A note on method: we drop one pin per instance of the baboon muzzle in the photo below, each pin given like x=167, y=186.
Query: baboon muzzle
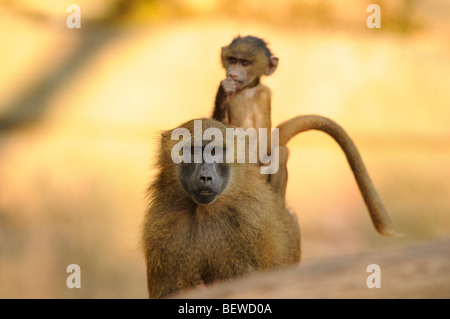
x=206, y=183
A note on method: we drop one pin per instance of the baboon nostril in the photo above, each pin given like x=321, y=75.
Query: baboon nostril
x=206, y=179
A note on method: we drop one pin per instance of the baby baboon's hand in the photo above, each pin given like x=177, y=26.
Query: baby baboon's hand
x=229, y=86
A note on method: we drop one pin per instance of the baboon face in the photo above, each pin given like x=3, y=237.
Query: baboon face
x=204, y=181
x=245, y=59
x=240, y=71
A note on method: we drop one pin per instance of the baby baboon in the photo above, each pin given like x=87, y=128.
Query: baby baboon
x=211, y=220
x=241, y=100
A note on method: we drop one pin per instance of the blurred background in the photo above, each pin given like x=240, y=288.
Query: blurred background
x=81, y=111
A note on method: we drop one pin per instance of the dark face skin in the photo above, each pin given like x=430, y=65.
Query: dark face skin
x=204, y=182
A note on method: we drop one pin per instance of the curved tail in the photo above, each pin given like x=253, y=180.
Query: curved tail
x=378, y=212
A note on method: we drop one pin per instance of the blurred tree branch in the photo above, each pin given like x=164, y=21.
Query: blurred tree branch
x=31, y=104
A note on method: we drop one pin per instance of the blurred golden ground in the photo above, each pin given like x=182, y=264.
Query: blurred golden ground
x=72, y=185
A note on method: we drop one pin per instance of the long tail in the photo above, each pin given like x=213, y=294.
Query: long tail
x=378, y=212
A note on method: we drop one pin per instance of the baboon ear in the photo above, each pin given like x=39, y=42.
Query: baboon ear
x=273, y=64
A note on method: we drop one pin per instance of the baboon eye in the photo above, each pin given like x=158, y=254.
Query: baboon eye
x=245, y=62
x=232, y=60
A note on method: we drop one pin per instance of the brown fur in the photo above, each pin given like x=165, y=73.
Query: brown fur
x=246, y=229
